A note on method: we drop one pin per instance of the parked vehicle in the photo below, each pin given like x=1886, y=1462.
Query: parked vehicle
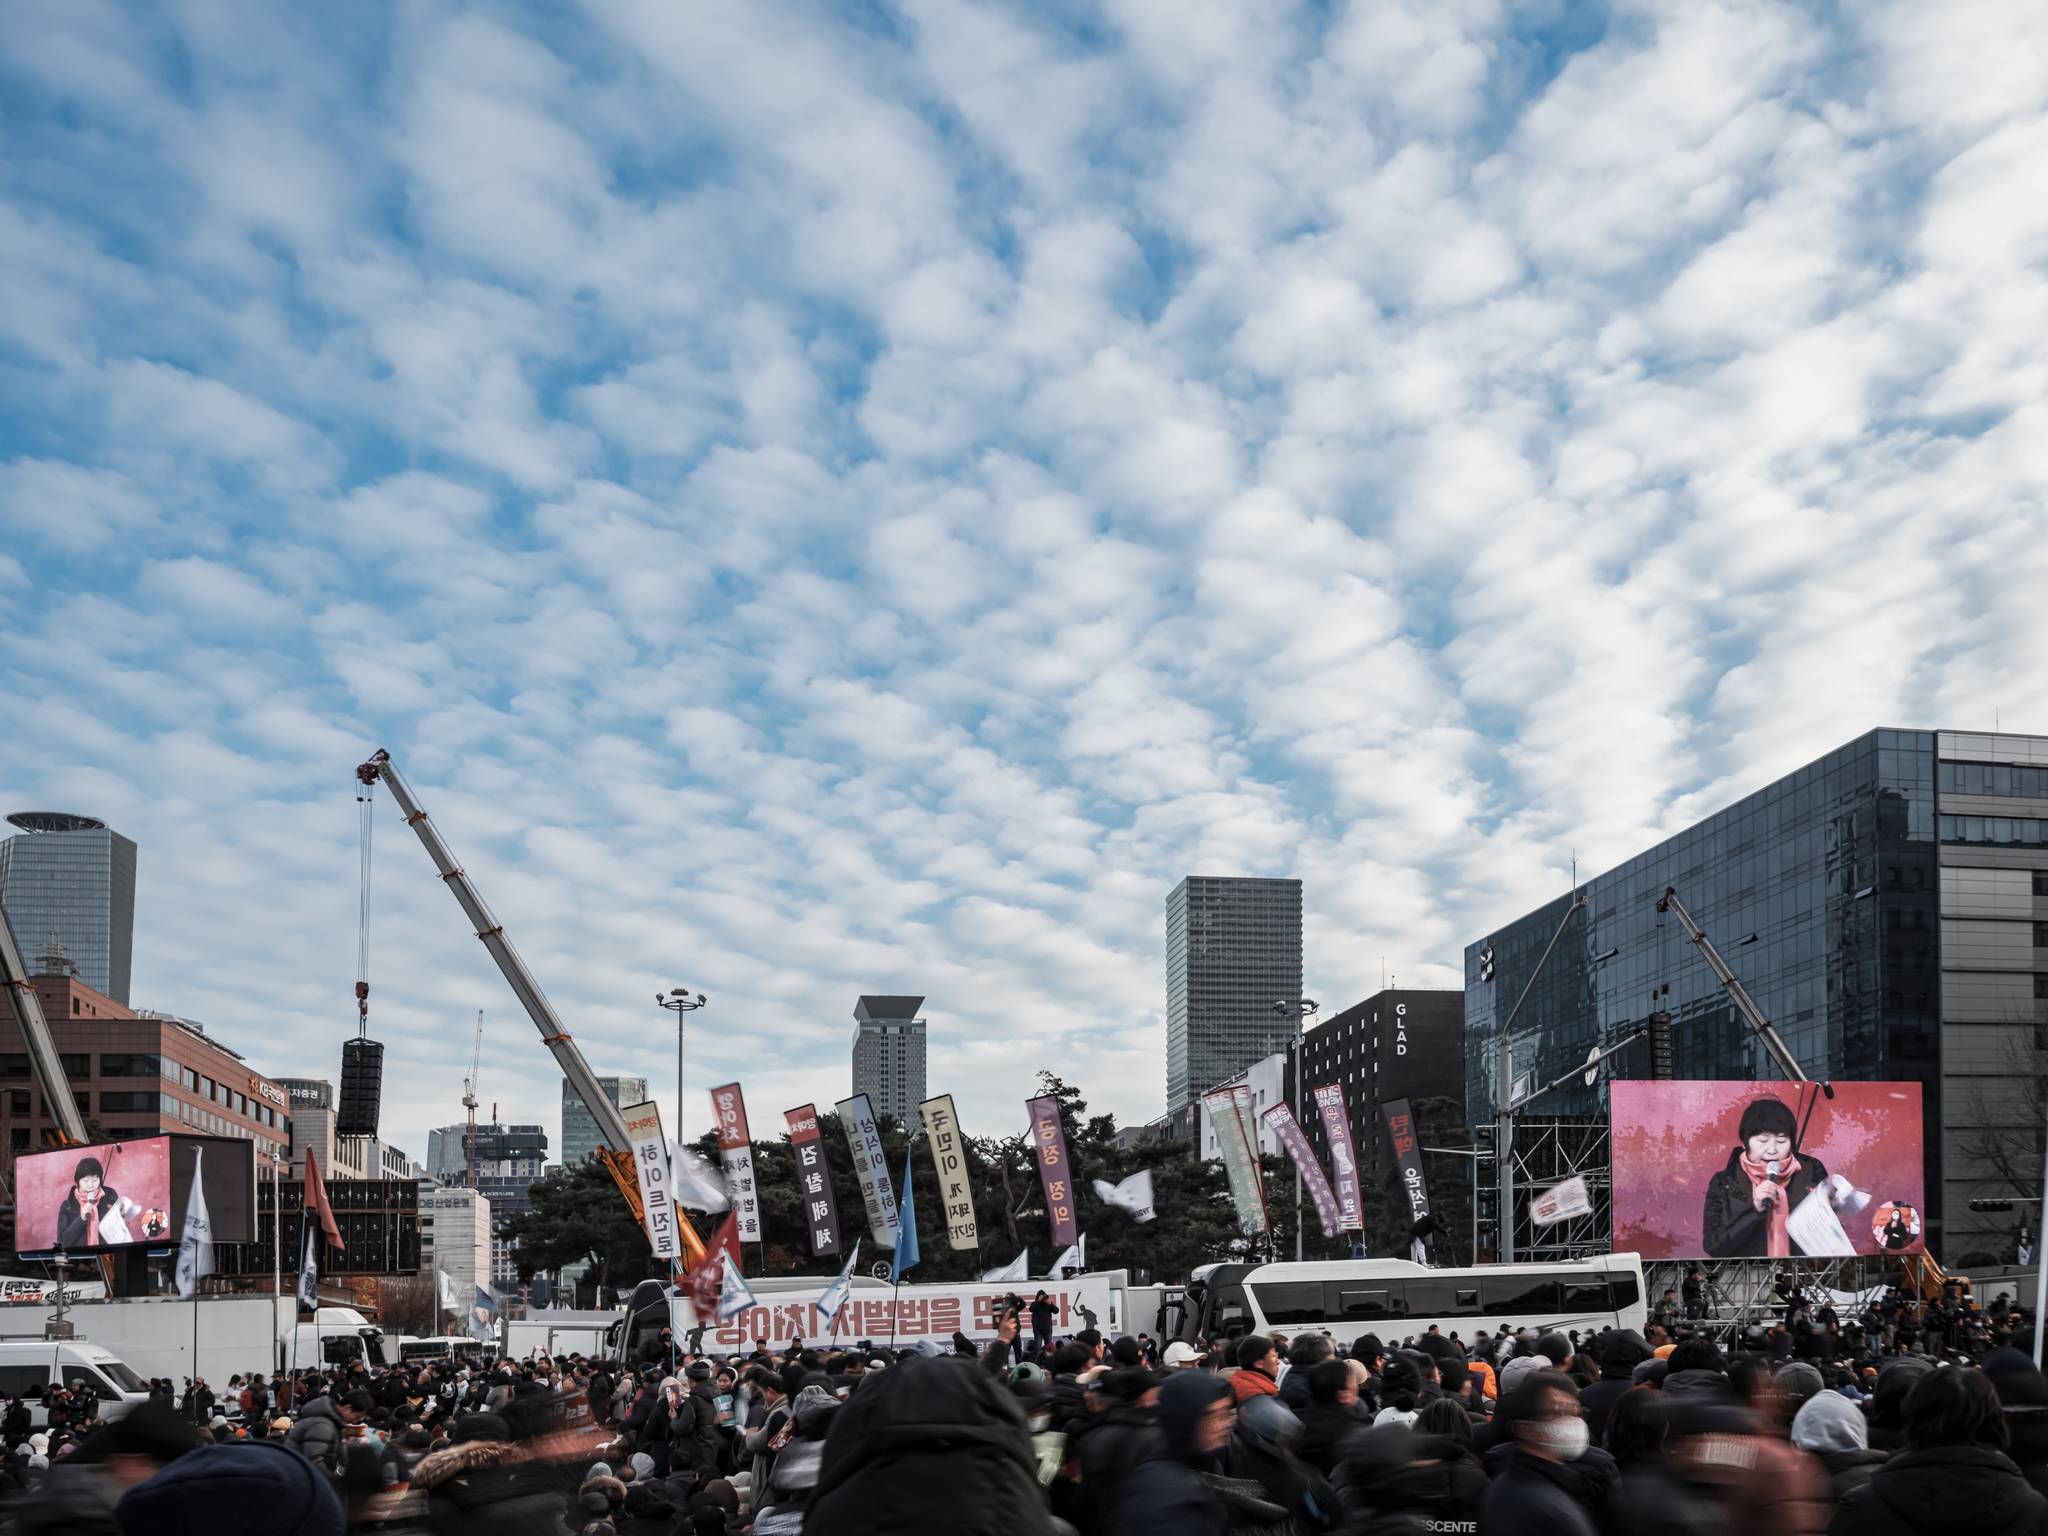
x=31, y=1367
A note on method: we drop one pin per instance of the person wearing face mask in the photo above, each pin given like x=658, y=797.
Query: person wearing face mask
x=1750, y=1201
x=1547, y=1480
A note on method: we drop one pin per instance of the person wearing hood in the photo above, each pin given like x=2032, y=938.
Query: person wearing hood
x=2023, y=1392
x=1547, y=1480
x=1750, y=1201
x=1334, y=1414
x=1832, y=1430
x=1895, y=1381
x=1181, y=1487
x=939, y=1447
x=1264, y=1448
x=1619, y=1353
x=1953, y=1478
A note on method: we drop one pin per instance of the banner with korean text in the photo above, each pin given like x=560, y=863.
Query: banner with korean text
x=814, y=1180
x=1238, y=1165
x=650, y=1163
x=1280, y=1119
x=1399, y=1121
x=736, y=1155
x=1055, y=1172
x=949, y=1157
x=857, y=1116
x=915, y=1314
x=1343, y=1156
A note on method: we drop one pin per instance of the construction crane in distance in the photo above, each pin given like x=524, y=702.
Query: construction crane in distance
x=617, y=1152
x=476, y=1063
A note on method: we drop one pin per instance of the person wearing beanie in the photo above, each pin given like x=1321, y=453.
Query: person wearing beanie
x=252, y=1488
x=1796, y=1385
x=1831, y=1429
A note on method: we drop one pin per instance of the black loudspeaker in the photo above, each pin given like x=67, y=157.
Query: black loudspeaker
x=362, y=1088
x=1661, y=1056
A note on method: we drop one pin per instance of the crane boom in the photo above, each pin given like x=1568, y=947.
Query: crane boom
x=1765, y=1029
x=617, y=1151
x=42, y=1049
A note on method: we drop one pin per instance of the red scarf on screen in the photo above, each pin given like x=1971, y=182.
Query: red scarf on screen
x=1779, y=1244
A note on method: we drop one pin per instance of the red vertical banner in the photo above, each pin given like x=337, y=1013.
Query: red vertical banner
x=736, y=1153
x=814, y=1180
x=1055, y=1171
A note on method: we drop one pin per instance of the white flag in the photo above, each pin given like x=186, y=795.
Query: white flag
x=1133, y=1194
x=697, y=1186
x=1071, y=1259
x=1561, y=1202
x=734, y=1297
x=1018, y=1268
x=835, y=1294
x=309, y=1278
x=195, y=1244
x=451, y=1301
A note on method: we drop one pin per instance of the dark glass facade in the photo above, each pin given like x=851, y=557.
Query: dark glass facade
x=1822, y=892
x=1233, y=949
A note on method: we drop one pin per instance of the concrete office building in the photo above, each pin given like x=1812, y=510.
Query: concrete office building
x=579, y=1127
x=455, y=1240
x=1886, y=906
x=888, y=1055
x=71, y=877
x=312, y=1122
x=1233, y=948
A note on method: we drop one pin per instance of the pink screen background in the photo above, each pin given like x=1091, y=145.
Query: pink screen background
x=1670, y=1138
x=136, y=1170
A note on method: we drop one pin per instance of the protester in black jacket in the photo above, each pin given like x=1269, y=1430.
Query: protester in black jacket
x=702, y=1443
x=2023, y=1391
x=1334, y=1414
x=1547, y=1481
x=931, y=1446
x=1953, y=1476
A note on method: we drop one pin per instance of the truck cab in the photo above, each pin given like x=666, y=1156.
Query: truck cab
x=339, y=1336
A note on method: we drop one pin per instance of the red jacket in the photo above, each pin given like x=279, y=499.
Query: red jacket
x=1249, y=1382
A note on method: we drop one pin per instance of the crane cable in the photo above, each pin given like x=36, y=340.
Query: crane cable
x=365, y=822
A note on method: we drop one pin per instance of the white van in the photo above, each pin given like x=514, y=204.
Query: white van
x=29, y=1366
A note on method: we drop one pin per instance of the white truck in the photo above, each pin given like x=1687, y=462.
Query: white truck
x=235, y=1335
x=553, y=1332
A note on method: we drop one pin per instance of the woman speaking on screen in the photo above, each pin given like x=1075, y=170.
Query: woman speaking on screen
x=1750, y=1202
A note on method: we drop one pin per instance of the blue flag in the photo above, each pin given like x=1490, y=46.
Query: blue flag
x=906, y=1222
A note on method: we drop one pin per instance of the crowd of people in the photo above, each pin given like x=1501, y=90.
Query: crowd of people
x=1884, y=1418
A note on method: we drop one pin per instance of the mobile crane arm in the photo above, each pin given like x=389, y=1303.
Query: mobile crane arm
x=617, y=1152
x=1765, y=1029
x=42, y=1049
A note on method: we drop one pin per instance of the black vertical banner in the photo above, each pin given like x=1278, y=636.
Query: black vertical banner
x=1398, y=1121
x=814, y=1180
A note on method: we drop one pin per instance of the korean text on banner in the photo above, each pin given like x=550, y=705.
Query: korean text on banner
x=1281, y=1118
x=1399, y=1120
x=949, y=1157
x=650, y=1162
x=1343, y=1156
x=1055, y=1172
x=1561, y=1202
x=1237, y=1161
x=814, y=1180
x=857, y=1116
x=736, y=1155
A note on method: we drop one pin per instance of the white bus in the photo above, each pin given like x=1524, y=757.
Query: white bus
x=443, y=1347
x=1394, y=1299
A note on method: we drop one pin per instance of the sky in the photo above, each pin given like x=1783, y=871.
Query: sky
x=825, y=500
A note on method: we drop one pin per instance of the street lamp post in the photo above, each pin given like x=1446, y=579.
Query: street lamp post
x=1301, y=1010
x=681, y=1003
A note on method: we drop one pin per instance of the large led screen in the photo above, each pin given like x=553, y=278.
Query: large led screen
x=114, y=1195
x=1725, y=1170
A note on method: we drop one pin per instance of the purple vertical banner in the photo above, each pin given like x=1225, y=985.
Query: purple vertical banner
x=1343, y=1157
x=1283, y=1124
x=821, y=1211
x=1049, y=1151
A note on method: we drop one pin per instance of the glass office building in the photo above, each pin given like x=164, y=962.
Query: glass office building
x=1233, y=949
x=1887, y=908
x=73, y=877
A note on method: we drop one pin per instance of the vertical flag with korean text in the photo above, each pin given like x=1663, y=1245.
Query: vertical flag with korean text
x=949, y=1157
x=1279, y=1118
x=736, y=1153
x=814, y=1180
x=864, y=1140
x=650, y=1165
x=1055, y=1171
x=1399, y=1122
x=1238, y=1164
x=1343, y=1155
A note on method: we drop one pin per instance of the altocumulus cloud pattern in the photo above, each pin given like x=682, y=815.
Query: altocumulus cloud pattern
x=862, y=499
